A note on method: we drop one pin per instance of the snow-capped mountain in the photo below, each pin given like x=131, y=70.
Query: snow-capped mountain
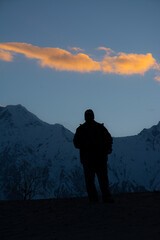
x=39, y=160
x=26, y=139
x=135, y=161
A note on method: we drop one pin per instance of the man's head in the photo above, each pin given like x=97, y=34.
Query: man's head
x=89, y=115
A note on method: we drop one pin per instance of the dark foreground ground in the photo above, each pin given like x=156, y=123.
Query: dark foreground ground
x=132, y=216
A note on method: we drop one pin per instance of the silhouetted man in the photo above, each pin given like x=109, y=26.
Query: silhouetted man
x=95, y=143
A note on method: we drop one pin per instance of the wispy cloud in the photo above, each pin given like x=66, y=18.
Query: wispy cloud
x=76, y=49
x=157, y=67
x=59, y=59
x=157, y=78
x=107, y=50
x=5, y=56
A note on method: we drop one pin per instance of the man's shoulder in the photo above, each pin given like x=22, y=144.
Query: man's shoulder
x=100, y=125
x=94, y=124
x=81, y=126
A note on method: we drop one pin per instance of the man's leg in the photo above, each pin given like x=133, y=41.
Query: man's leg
x=102, y=174
x=89, y=173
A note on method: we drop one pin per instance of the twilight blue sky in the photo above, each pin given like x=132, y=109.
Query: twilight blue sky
x=58, y=83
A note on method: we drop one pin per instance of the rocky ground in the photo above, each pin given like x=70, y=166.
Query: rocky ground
x=132, y=216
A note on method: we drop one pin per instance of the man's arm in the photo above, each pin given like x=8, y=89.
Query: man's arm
x=108, y=140
x=76, y=139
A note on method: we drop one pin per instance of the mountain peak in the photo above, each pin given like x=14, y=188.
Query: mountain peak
x=154, y=130
x=17, y=107
x=17, y=115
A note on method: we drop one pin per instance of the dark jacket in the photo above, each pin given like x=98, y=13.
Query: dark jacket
x=94, y=141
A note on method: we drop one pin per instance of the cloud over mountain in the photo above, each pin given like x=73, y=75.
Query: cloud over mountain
x=56, y=58
x=62, y=60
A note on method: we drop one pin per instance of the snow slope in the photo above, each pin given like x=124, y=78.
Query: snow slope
x=135, y=161
x=134, y=164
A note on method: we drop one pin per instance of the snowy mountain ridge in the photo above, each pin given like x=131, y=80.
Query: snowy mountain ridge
x=38, y=159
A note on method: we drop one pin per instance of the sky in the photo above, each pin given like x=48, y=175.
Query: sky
x=59, y=58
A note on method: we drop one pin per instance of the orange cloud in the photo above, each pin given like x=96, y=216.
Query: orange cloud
x=59, y=59
x=5, y=56
x=157, y=66
x=54, y=57
x=128, y=64
x=157, y=78
x=107, y=50
x=77, y=49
